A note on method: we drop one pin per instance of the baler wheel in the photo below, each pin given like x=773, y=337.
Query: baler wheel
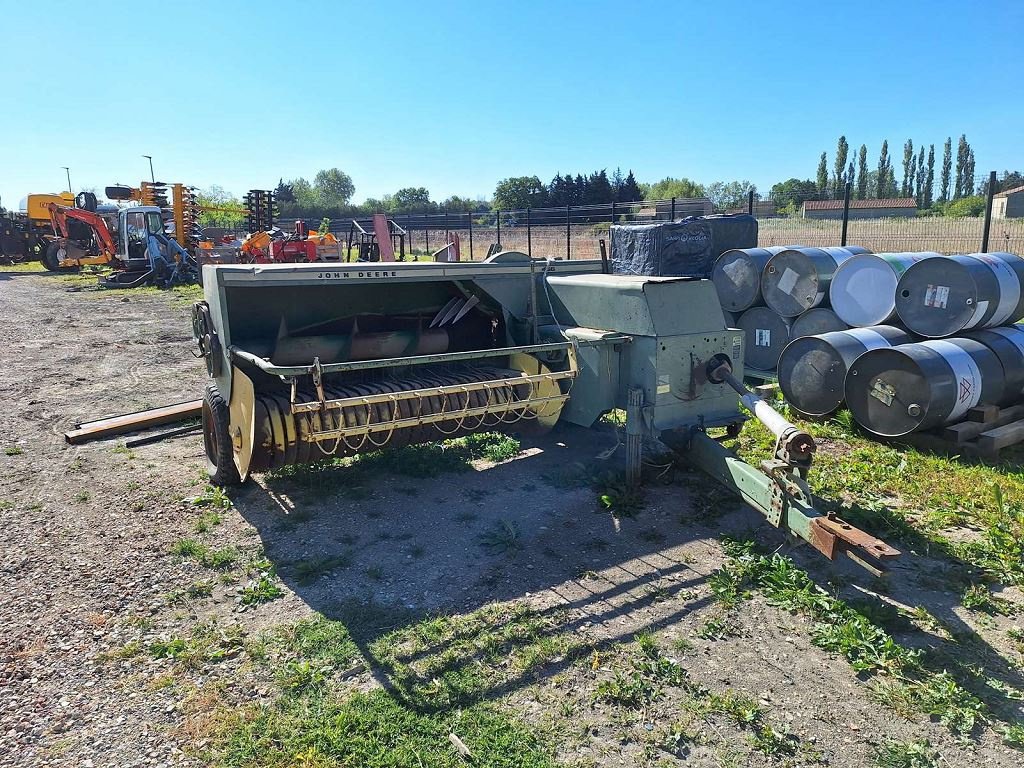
x=220, y=462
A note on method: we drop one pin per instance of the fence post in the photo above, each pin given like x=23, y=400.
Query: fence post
x=447, y=228
x=988, y=211
x=470, y=215
x=529, y=235
x=614, y=214
x=568, y=232
x=673, y=209
x=497, y=220
x=846, y=212
x=750, y=202
x=426, y=234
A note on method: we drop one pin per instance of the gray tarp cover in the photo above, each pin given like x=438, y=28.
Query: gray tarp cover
x=686, y=248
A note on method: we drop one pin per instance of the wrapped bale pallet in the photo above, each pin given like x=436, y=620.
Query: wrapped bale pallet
x=686, y=248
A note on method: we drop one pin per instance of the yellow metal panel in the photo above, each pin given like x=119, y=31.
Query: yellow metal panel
x=37, y=209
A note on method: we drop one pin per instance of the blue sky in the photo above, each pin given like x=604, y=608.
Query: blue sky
x=454, y=96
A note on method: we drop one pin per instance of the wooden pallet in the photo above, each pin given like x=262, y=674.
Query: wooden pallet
x=987, y=430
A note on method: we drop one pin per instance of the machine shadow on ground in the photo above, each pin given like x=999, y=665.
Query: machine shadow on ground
x=385, y=553
x=397, y=551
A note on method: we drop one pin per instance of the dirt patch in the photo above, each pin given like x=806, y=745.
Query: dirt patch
x=108, y=654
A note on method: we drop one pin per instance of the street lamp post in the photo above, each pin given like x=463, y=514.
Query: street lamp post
x=151, y=176
x=68, y=170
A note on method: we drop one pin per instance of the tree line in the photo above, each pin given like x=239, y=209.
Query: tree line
x=917, y=180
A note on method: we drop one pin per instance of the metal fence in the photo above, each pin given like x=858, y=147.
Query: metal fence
x=835, y=216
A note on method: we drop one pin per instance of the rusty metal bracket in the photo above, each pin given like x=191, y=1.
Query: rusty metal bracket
x=831, y=535
x=785, y=486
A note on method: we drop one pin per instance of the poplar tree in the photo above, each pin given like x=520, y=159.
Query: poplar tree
x=947, y=164
x=929, y=184
x=862, y=173
x=839, y=169
x=823, y=173
x=908, y=169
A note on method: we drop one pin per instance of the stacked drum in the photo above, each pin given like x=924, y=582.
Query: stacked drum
x=780, y=294
x=932, y=336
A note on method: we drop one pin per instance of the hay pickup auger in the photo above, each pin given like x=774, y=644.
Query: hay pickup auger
x=307, y=363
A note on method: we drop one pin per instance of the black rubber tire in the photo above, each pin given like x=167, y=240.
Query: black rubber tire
x=220, y=464
x=50, y=259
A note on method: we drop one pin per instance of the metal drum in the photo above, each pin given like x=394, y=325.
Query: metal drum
x=863, y=289
x=896, y=391
x=737, y=276
x=797, y=279
x=815, y=321
x=767, y=335
x=812, y=369
x=1008, y=344
x=941, y=297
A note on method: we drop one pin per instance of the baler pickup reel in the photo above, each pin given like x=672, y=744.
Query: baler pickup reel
x=438, y=396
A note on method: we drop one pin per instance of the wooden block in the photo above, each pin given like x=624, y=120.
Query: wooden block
x=993, y=440
x=767, y=390
x=983, y=413
x=968, y=430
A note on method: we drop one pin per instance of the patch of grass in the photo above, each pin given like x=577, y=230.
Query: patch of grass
x=373, y=728
x=82, y=496
x=207, y=643
x=13, y=450
x=904, y=684
x=718, y=628
x=212, y=496
x=618, y=497
x=262, y=589
x=123, y=450
x=1013, y=736
x=905, y=754
x=295, y=675
x=207, y=520
x=215, y=559
x=503, y=537
x=194, y=591
x=978, y=598
x=308, y=571
x=375, y=572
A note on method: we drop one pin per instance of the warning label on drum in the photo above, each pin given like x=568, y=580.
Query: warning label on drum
x=936, y=296
x=762, y=337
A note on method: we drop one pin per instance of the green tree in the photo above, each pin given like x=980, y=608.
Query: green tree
x=947, y=166
x=886, y=182
x=823, y=173
x=973, y=205
x=792, y=193
x=225, y=210
x=519, y=192
x=303, y=192
x=599, y=189
x=412, y=200
x=962, y=149
x=969, y=173
x=630, y=191
x=907, y=188
x=333, y=187
x=670, y=187
x=862, y=173
x=283, y=192
x=929, y=182
x=729, y=194
x=617, y=181
x=849, y=177
x=839, y=168
x=919, y=178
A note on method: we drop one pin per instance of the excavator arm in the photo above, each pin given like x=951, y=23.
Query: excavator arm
x=59, y=215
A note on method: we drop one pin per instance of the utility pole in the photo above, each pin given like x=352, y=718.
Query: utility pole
x=151, y=176
x=68, y=170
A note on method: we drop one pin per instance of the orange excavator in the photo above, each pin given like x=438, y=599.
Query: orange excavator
x=82, y=236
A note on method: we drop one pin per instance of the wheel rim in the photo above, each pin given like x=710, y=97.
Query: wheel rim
x=210, y=436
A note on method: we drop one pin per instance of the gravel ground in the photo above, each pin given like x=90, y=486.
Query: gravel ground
x=86, y=563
